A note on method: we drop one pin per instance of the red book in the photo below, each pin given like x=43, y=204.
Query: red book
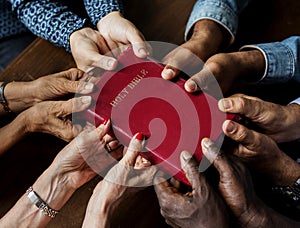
x=137, y=99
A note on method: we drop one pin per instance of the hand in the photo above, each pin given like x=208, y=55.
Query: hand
x=22, y=95
x=281, y=123
x=227, y=69
x=89, y=47
x=121, y=182
x=52, y=117
x=86, y=156
x=262, y=154
x=236, y=187
x=69, y=170
x=200, y=208
x=207, y=39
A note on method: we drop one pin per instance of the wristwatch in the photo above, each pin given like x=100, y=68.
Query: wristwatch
x=3, y=101
x=41, y=204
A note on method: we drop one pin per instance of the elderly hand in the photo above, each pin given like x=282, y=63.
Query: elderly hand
x=130, y=175
x=22, y=95
x=52, y=117
x=262, y=154
x=89, y=46
x=206, y=40
x=236, y=187
x=200, y=208
x=86, y=156
x=74, y=165
x=227, y=69
x=281, y=123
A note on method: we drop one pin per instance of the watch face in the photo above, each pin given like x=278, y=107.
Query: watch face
x=33, y=197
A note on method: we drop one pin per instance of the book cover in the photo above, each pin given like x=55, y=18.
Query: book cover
x=137, y=99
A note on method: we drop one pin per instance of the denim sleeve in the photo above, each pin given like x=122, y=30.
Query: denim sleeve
x=296, y=101
x=224, y=12
x=48, y=19
x=98, y=9
x=282, y=60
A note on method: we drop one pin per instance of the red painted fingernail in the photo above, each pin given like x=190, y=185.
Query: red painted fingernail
x=104, y=122
x=139, y=136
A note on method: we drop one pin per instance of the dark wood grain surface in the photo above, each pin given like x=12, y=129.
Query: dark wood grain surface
x=161, y=20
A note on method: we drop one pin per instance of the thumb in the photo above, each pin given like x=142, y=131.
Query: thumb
x=135, y=146
x=137, y=40
x=190, y=167
x=73, y=105
x=218, y=160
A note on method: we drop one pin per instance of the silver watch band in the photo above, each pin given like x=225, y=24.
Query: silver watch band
x=42, y=205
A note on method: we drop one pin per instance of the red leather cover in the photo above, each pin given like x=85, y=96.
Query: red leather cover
x=137, y=99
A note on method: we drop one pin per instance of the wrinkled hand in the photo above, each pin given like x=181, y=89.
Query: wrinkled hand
x=130, y=175
x=89, y=46
x=85, y=156
x=262, y=154
x=227, y=69
x=200, y=208
x=206, y=40
x=281, y=123
x=235, y=185
x=60, y=84
x=52, y=117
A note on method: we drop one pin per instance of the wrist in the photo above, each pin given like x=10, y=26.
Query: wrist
x=20, y=95
x=211, y=36
x=53, y=189
x=252, y=64
x=255, y=216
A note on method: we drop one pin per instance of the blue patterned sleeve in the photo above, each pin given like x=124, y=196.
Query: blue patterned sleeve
x=48, y=19
x=98, y=9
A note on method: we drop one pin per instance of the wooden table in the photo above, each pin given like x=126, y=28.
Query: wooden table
x=162, y=20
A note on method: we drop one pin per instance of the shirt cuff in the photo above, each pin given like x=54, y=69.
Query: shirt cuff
x=279, y=59
x=297, y=101
x=216, y=11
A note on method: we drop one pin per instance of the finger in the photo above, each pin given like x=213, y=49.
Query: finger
x=200, y=81
x=138, y=43
x=78, y=87
x=105, y=62
x=64, y=108
x=190, y=168
x=239, y=133
x=174, y=62
x=135, y=146
x=241, y=104
x=218, y=160
x=72, y=74
x=141, y=163
x=91, y=135
x=63, y=129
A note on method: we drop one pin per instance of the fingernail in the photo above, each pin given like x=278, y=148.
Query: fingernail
x=191, y=85
x=111, y=62
x=86, y=99
x=186, y=155
x=145, y=161
x=168, y=73
x=142, y=51
x=206, y=143
x=104, y=122
x=230, y=127
x=139, y=136
x=227, y=104
x=89, y=86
